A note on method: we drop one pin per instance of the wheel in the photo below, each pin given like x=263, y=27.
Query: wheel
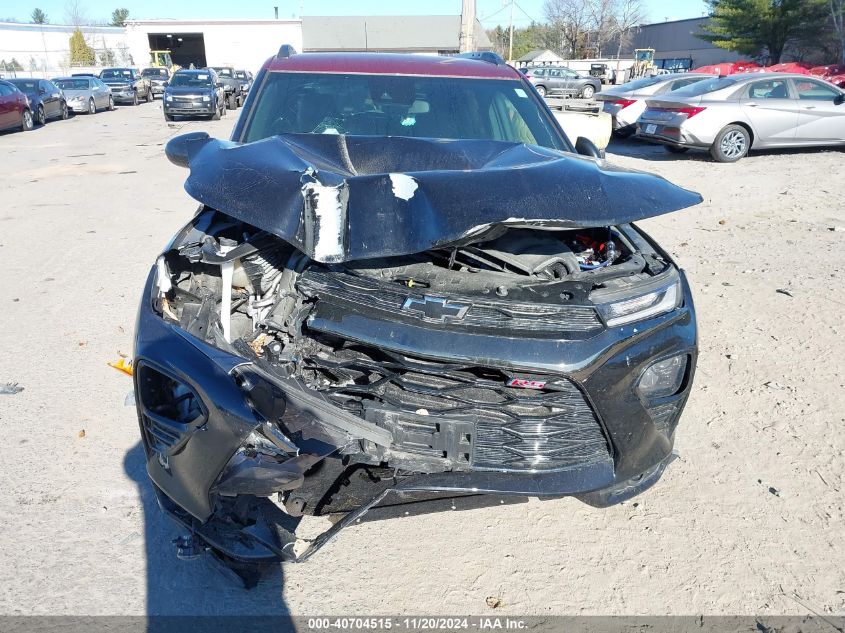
x=587, y=92
x=92, y=107
x=541, y=90
x=134, y=97
x=674, y=149
x=26, y=120
x=111, y=103
x=731, y=144
x=64, y=110
x=168, y=117
x=40, y=116
x=150, y=96
x=232, y=102
x=216, y=115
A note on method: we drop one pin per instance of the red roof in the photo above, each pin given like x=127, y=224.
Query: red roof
x=390, y=64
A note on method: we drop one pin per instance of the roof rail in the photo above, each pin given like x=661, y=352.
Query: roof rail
x=286, y=50
x=485, y=56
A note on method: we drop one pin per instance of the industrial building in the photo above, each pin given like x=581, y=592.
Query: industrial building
x=240, y=43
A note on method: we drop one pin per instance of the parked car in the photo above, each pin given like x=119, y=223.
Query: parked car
x=625, y=103
x=362, y=311
x=603, y=72
x=557, y=81
x=194, y=93
x=85, y=94
x=46, y=100
x=14, y=108
x=127, y=85
x=244, y=79
x=158, y=78
x=234, y=96
x=734, y=114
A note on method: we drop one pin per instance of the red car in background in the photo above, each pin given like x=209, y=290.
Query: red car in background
x=14, y=108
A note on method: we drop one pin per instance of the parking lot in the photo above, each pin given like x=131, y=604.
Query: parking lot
x=748, y=520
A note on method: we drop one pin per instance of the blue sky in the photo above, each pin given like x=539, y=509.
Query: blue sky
x=490, y=11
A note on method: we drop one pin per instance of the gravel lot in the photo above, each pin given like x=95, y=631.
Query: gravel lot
x=748, y=520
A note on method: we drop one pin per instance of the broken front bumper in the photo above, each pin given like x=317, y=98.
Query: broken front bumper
x=197, y=405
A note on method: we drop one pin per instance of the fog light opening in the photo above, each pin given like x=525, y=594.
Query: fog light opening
x=663, y=378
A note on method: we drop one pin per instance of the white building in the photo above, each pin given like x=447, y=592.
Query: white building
x=244, y=44
x=45, y=48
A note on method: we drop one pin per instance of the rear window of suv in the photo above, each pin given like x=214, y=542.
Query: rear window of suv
x=704, y=86
x=391, y=105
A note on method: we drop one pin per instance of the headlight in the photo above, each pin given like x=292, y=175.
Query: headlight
x=168, y=97
x=663, y=378
x=642, y=307
x=206, y=98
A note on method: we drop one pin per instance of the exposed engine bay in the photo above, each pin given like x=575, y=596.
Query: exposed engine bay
x=327, y=338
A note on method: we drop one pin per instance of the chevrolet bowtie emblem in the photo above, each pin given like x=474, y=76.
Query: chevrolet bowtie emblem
x=436, y=308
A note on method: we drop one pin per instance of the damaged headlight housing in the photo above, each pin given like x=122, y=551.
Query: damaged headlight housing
x=642, y=307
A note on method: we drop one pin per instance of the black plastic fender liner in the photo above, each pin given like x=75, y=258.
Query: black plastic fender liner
x=340, y=198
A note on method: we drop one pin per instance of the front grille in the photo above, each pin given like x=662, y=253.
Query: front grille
x=463, y=413
x=362, y=292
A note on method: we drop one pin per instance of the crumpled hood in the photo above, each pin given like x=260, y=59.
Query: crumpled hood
x=339, y=198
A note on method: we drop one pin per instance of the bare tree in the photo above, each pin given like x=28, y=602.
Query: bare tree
x=572, y=19
x=602, y=23
x=75, y=14
x=629, y=15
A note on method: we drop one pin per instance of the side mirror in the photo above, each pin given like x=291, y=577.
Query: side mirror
x=165, y=84
x=586, y=147
x=176, y=149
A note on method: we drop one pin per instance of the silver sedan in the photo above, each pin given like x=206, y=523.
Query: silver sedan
x=85, y=94
x=731, y=115
x=626, y=102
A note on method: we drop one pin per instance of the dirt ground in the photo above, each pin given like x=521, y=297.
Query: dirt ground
x=748, y=520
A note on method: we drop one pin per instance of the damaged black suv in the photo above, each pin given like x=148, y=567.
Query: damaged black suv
x=402, y=284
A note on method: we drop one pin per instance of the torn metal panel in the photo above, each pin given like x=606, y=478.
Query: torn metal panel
x=339, y=198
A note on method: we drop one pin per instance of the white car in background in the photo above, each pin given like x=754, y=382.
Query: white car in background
x=626, y=102
x=731, y=115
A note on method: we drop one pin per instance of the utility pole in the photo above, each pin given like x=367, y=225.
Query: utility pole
x=467, y=38
x=510, y=45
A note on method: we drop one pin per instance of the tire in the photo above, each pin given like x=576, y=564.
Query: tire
x=674, y=149
x=216, y=115
x=731, y=144
x=541, y=90
x=232, y=102
x=64, y=111
x=587, y=92
x=150, y=96
x=92, y=107
x=135, y=98
x=40, y=116
x=111, y=103
x=26, y=120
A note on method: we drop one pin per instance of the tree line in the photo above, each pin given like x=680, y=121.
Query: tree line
x=766, y=30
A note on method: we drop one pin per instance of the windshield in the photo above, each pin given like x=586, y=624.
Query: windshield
x=154, y=72
x=388, y=105
x=224, y=72
x=24, y=85
x=704, y=86
x=72, y=84
x=197, y=80
x=116, y=73
x=240, y=74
